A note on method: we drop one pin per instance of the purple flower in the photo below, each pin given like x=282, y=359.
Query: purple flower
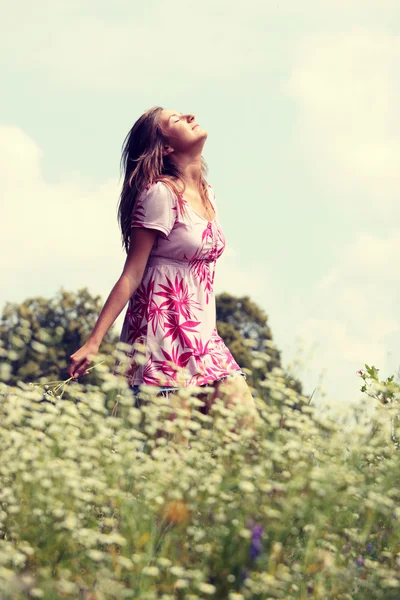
x=256, y=542
x=369, y=547
x=360, y=561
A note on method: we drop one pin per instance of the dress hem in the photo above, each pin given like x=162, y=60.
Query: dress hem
x=239, y=370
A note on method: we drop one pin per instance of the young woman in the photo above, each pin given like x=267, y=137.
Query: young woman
x=168, y=217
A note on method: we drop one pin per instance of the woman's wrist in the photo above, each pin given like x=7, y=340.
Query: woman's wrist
x=93, y=342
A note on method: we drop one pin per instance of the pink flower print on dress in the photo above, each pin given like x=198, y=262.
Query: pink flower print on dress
x=199, y=347
x=179, y=330
x=201, y=269
x=207, y=234
x=200, y=350
x=137, y=328
x=172, y=363
x=151, y=372
x=157, y=315
x=200, y=264
x=180, y=359
x=178, y=298
x=139, y=216
x=143, y=296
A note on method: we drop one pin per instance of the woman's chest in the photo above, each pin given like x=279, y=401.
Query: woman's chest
x=194, y=204
x=193, y=238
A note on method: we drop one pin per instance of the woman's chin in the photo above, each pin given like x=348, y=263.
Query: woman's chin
x=204, y=135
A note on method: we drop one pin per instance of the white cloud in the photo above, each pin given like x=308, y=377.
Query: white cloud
x=19, y=158
x=356, y=320
x=53, y=234
x=135, y=48
x=348, y=92
x=251, y=281
x=373, y=255
x=368, y=261
x=124, y=44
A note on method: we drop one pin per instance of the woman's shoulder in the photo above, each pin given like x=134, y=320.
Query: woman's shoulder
x=160, y=187
x=158, y=184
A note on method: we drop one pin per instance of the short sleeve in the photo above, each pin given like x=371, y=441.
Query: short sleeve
x=155, y=208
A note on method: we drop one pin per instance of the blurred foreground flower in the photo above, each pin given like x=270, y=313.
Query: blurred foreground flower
x=256, y=541
x=177, y=512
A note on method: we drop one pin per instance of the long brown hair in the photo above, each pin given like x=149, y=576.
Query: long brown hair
x=142, y=164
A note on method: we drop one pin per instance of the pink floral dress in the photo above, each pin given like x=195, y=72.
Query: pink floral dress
x=172, y=313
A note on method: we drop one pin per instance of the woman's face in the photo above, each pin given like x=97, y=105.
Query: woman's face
x=181, y=131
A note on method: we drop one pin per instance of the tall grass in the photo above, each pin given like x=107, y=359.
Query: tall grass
x=95, y=504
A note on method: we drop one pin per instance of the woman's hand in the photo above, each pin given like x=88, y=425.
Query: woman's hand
x=81, y=359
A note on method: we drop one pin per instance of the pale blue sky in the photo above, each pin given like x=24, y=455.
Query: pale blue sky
x=300, y=101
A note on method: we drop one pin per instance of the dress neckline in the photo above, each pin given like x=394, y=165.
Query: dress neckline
x=196, y=213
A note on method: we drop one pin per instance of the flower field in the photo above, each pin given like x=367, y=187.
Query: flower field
x=100, y=499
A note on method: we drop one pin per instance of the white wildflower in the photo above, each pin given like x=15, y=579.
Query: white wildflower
x=245, y=533
x=246, y=486
x=95, y=555
x=164, y=562
x=177, y=571
x=207, y=588
x=125, y=562
x=181, y=583
x=38, y=347
x=5, y=371
x=151, y=571
x=258, y=363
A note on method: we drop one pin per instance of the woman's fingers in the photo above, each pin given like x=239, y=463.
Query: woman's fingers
x=78, y=367
x=75, y=362
x=79, y=374
x=80, y=360
x=74, y=367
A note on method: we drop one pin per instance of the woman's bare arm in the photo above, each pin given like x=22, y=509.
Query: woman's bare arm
x=127, y=284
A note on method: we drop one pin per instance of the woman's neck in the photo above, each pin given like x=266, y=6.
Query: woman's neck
x=191, y=169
